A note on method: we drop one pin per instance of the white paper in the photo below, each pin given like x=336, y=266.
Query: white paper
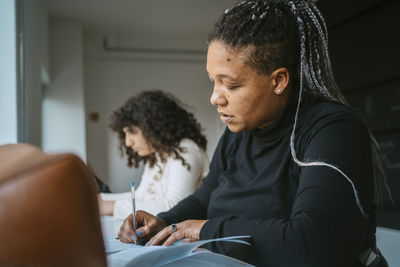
x=176, y=255
x=113, y=245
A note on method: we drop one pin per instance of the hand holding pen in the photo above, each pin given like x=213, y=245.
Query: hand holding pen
x=149, y=226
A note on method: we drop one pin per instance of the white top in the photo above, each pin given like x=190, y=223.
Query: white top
x=165, y=184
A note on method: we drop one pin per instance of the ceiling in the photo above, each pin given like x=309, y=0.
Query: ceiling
x=174, y=17
x=144, y=17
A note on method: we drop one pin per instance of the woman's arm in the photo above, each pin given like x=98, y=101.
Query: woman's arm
x=106, y=207
x=325, y=227
x=179, y=182
x=117, y=204
x=195, y=206
x=192, y=207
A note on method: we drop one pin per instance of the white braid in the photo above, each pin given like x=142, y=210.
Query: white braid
x=317, y=81
x=237, y=5
x=321, y=18
x=292, y=137
x=320, y=32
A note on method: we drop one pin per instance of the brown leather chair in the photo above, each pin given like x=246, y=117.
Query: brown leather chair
x=48, y=210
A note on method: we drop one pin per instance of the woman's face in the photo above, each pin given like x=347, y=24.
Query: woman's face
x=244, y=98
x=135, y=140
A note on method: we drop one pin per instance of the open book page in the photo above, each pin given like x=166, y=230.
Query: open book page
x=113, y=245
x=123, y=257
x=110, y=226
x=207, y=259
x=176, y=255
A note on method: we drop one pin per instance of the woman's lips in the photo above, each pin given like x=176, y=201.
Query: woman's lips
x=226, y=118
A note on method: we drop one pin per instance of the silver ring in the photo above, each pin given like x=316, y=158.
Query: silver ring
x=173, y=228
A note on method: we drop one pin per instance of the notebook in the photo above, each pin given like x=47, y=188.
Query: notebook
x=180, y=254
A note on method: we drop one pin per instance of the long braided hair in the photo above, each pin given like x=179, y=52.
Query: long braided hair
x=291, y=34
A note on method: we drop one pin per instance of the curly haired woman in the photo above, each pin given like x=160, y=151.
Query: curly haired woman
x=155, y=129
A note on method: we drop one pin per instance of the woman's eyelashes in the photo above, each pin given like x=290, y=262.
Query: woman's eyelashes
x=231, y=84
x=231, y=87
x=227, y=85
x=132, y=131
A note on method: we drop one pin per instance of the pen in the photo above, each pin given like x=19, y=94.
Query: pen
x=133, y=205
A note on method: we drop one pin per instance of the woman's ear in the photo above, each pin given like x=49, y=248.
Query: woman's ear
x=280, y=80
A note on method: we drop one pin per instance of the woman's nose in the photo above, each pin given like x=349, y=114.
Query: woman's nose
x=128, y=141
x=218, y=99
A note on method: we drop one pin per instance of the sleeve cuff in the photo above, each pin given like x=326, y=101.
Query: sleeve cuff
x=211, y=228
x=167, y=217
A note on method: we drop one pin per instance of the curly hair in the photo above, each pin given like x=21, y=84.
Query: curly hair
x=164, y=122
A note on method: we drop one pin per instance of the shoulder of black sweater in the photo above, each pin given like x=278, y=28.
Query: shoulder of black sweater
x=318, y=113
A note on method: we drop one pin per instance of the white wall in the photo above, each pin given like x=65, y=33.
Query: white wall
x=8, y=75
x=63, y=102
x=35, y=29
x=111, y=78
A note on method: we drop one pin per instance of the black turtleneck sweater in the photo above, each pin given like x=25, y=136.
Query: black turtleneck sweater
x=296, y=216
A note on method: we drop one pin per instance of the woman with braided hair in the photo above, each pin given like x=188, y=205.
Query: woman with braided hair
x=296, y=168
